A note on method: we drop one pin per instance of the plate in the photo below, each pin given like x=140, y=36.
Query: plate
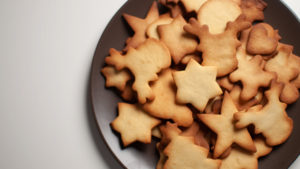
x=104, y=100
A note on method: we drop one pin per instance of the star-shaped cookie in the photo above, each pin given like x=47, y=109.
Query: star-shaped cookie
x=196, y=84
x=223, y=125
x=139, y=26
x=134, y=124
x=115, y=78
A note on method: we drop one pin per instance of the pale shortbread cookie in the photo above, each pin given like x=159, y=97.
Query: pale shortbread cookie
x=241, y=159
x=164, y=105
x=196, y=84
x=192, y=5
x=220, y=49
x=216, y=14
x=286, y=72
x=139, y=26
x=271, y=120
x=176, y=39
x=295, y=61
x=183, y=153
x=195, y=131
x=134, y=124
x=223, y=125
x=144, y=62
x=115, y=78
x=152, y=28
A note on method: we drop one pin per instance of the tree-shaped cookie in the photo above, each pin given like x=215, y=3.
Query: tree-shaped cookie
x=140, y=25
x=134, y=124
x=241, y=159
x=184, y=154
x=218, y=49
x=164, y=105
x=271, y=120
x=177, y=40
x=196, y=84
x=144, y=62
x=223, y=125
x=252, y=76
x=286, y=71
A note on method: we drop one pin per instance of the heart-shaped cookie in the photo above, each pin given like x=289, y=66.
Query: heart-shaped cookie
x=261, y=42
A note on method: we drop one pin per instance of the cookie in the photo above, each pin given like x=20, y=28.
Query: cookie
x=271, y=120
x=185, y=60
x=164, y=105
x=235, y=94
x=152, y=28
x=239, y=158
x=252, y=76
x=182, y=152
x=285, y=71
x=196, y=84
x=220, y=49
x=216, y=14
x=133, y=124
x=253, y=9
x=139, y=26
x=144, y=63
x=262, y=41
x=176, y=39
x=115, y=78
x=223, y=125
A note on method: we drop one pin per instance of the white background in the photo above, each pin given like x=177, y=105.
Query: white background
x=46, y=51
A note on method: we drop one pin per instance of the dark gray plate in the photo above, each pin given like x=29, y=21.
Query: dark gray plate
x=104, y=101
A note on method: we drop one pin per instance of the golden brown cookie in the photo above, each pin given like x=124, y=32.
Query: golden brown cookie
x=139, y=26
x=133, y=124
x=115, y=78
x=241, y=159
x=285, y=71
x=271, y=120
x=144, y=63
x=252, y=76
x=220, y=49
x=223, y=125
x=176, y=39
x=164, y=105
x=262, y=41
x=253, y=9
x=152, y=28
x=182, y=153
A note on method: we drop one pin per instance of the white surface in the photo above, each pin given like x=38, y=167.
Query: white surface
x=46, y=50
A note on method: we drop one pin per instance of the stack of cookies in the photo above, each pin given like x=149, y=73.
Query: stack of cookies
x=208, y=82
